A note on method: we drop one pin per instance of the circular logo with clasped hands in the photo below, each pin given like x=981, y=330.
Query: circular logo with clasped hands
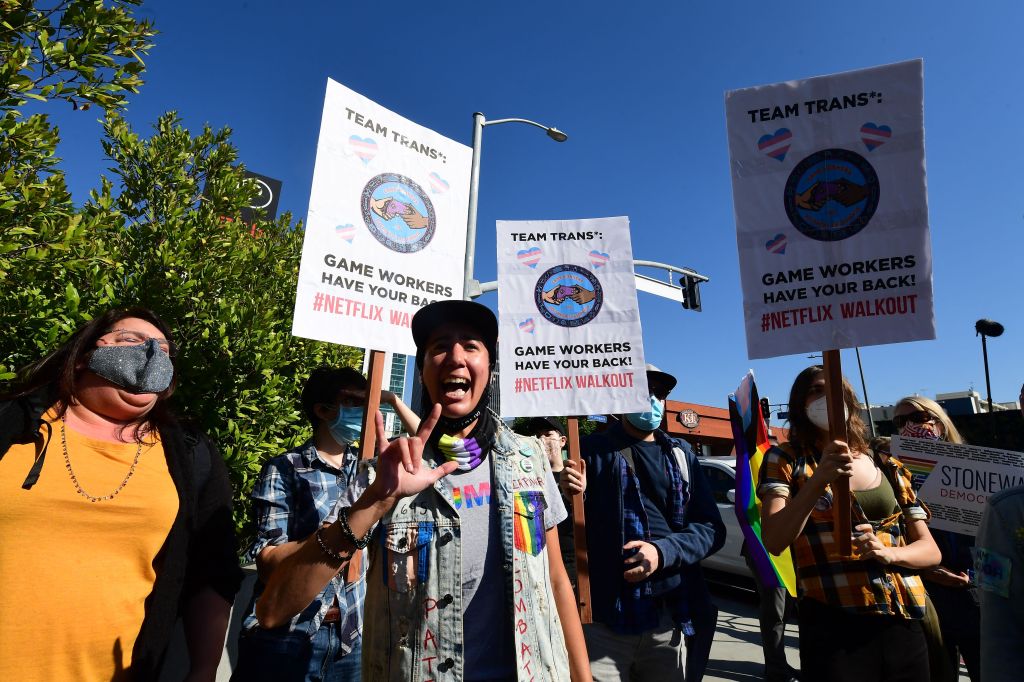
x=398, y=213
x=568, y=295
x=831, y=195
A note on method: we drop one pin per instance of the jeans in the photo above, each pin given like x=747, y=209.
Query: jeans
x=277, y=655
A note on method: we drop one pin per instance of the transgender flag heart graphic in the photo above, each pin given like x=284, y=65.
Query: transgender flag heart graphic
x=438, y=185
x=776, y=144
x=364, y=147
x=346, y=232
x=776, y=244
x=530, y=256
x=874, y=136
x=598, y=258
x=527, y=325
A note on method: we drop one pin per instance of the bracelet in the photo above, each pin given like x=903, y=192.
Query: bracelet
x=340, y=558
x=346, y=530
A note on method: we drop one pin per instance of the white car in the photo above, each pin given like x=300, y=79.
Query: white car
x=721, y=474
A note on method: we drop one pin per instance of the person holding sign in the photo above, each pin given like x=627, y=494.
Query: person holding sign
x=465, y=578
x=294, y=493
x=950, y=586
x=651, y=519
x=860, y=616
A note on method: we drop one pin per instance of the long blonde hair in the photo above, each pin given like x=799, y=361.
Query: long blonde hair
x=919, y=402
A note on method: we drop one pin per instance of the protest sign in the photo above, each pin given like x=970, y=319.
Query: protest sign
x=386, y=231
x=956, y=480
x=831, y=211
x=570, y=329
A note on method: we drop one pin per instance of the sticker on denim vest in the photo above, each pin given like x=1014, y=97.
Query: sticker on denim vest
x=529, y=521
x=407, y=548
x=992, y=571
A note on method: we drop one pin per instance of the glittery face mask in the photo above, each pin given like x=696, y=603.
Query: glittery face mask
x=140, y=369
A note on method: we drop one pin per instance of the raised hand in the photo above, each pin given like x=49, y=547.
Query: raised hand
x=400, y=468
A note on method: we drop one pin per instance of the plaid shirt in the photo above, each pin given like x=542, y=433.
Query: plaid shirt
x=292, y=498
x=865, y=587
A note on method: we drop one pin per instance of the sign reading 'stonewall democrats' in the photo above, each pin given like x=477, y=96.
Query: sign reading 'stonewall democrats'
x=386, y=231
x=831, y=211
x=571, y=342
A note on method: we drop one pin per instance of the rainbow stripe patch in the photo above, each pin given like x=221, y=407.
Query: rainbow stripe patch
x=919, y=469
x=529, y=521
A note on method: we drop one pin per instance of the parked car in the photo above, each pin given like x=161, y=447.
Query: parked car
x=721, y=474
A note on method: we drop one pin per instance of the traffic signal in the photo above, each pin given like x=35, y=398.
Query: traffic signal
x=691, y=292
x=766, y=410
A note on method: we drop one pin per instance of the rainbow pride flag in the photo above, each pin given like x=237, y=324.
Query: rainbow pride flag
x=750, y=434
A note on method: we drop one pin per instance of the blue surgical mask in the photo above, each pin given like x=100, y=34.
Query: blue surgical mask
x=650, y=420
x=347, y=426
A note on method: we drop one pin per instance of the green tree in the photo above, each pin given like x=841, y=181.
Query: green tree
x=157, y=233
x=522, y=425
x=80, y=52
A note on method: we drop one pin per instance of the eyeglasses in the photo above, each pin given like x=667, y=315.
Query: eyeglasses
x=129, y=337
x=919, y=417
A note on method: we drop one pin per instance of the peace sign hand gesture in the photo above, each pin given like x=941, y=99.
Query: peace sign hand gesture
x=400, y=468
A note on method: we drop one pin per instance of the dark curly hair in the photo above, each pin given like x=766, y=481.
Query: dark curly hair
x=59, y=371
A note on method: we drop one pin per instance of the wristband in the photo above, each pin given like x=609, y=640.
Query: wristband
x=340, y=558
x=346, y=530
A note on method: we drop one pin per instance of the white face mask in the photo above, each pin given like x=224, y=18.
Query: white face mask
x=817, y=412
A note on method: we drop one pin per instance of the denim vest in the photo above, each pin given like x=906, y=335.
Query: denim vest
x=412, y=628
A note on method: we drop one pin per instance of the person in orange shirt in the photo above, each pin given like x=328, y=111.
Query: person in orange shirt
x=116, y=517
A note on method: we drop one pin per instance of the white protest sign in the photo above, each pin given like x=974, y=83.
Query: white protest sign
x=831, y=211
x=569, y=325
x=955, y=481
x=386, y=231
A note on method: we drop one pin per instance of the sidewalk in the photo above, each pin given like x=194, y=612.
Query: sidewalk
x=736, y=654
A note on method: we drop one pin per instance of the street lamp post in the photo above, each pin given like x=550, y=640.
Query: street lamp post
x=987, y=328
x=472, y=287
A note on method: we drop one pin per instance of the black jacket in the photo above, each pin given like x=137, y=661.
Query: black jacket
x=200, y=550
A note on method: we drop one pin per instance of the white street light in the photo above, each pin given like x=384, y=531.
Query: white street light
x=472, y=286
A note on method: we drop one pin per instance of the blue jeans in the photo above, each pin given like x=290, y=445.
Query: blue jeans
x=279, y=656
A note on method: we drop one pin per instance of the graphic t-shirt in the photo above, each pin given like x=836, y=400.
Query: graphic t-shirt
x=483, y=587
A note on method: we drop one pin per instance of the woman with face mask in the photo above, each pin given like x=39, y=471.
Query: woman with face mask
x=116, y=517
x=950, y=585
x=293, y=495
x=854, y=611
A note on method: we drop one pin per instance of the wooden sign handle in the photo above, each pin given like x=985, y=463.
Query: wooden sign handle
x=368, y=437
x=580, y=531
x=843, y=524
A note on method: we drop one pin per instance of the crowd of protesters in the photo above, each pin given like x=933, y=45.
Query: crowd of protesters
x=450, y=555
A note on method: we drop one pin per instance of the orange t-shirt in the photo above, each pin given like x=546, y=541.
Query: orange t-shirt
x=76, y=574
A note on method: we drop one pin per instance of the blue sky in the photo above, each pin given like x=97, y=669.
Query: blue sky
x=639, y=89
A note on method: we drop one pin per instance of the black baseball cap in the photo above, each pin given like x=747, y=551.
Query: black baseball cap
x=479, y=317
x=542, y=424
